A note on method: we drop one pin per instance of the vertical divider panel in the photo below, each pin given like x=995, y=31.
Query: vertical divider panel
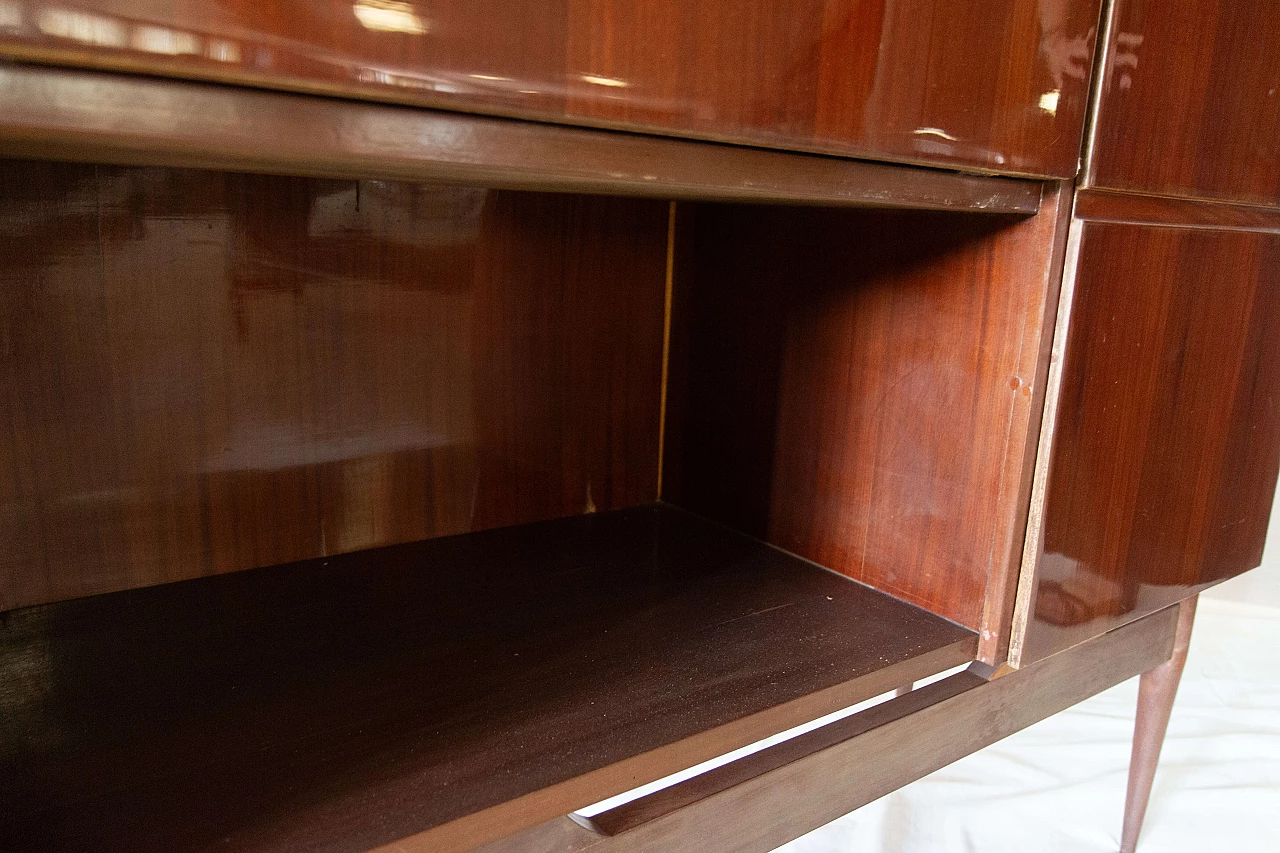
x=863, y=388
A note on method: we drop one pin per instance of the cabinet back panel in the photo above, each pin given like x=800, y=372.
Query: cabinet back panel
x=861, y=388
x=202, y=372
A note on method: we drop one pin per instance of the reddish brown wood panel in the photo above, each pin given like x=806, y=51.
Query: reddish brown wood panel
x=458, y=689
x=862, y=388
x=1156, y=691
x=1190, y=100
x=1112, y=206
x=131, y=120
x=202, y=372
x=1167, y=439
x=992, y=85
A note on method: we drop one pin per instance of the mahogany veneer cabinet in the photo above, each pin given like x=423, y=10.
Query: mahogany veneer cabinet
x=425, y=425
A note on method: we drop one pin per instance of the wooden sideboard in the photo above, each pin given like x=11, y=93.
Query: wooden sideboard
x=427, y=426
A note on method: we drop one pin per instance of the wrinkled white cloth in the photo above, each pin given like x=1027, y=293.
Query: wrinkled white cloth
x=1058, y=787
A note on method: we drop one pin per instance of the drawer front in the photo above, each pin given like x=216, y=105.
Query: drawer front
x=1158, y=477
x=998, y=86
x=1190, y=100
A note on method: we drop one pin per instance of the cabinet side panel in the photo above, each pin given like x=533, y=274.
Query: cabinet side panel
x=202, y=372
x=860, y=390
x=1167, y=440
x=989, y=84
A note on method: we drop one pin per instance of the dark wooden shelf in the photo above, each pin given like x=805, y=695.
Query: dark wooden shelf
x=101, y=117
x=464, y=687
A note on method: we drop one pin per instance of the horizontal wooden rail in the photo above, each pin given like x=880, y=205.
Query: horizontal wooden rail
x=780, y=793
x=1096, y=205
x=101, y=117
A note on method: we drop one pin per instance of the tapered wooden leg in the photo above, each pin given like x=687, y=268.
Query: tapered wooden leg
x=1156, y=691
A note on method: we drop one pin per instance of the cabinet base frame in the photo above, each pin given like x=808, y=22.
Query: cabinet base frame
x=903, y=740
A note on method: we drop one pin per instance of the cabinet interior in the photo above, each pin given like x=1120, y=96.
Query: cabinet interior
x=207, y=372
x=478, y=422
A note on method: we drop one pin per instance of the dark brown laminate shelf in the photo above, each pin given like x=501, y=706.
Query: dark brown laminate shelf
x=98, y=117
x=464, y=687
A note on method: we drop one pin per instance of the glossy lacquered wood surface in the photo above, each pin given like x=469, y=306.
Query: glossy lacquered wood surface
x=455, y=690
x=1110, y=206
x=204, y=372
x=99, y=117
x=989, y=84
x=1190, y=102
x=1166, y=444
x=863, y=388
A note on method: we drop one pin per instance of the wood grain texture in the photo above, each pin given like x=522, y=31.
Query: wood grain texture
x=205, y=372
x=862, y=389
x=99, y=117
x=805, y=783
x=1190, y=100
x=458, y=690
x=1166, y=446
x=996, y=86
x=1110, y=206
x=1156, y=692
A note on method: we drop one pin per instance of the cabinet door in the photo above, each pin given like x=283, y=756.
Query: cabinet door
x=1190, y=101
x=1162, y=440
x=998, y=85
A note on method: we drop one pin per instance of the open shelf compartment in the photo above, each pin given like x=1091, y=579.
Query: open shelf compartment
x=467, y=686
x=329, y=510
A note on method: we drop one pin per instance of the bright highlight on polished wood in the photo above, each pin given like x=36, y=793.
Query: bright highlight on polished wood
x=997, y=85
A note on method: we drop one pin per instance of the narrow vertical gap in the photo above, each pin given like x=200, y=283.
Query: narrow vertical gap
x=1084, y=176
x=666, y=339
